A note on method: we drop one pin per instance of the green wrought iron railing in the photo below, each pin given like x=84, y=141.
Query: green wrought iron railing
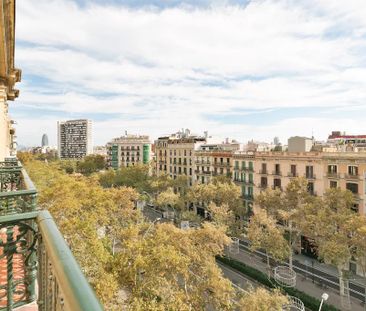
x=33, y=251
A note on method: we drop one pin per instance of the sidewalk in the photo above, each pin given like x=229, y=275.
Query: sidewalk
x=302, y=284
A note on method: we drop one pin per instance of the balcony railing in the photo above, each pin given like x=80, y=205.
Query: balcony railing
x=352, y=176
x=221, y=164
x=277, y=173
x=310, y=176
x=33, y=251
x=247, y=169
x=333, y=175
x=263, y=172
x=292, y=175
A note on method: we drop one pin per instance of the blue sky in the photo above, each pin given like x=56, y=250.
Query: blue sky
x=239, y=69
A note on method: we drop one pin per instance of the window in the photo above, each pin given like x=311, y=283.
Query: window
x=353, y=170
x=264, y=168
x=333, y=184
x=309, y=171
x=277, y=169
x=236, y=164
x=293, y=170
x=276, y=183
x=332, y=169
x=251, y=165
x=352, y=187
x=264, y=182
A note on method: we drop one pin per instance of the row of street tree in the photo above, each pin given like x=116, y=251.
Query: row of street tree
x=155, y=266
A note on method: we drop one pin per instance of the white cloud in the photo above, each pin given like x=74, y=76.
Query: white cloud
x=169, y=68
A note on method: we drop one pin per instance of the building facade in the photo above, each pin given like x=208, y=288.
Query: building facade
x=347, y=170
x=74, y=139
x=175, y=154
x=243, y=176
x=9, y=75
x=128, y=150
x=277, y=169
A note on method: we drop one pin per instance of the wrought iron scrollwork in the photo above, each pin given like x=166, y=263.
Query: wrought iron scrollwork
x=18, y=242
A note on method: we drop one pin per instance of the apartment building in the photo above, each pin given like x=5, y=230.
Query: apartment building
x=213, y=160
x=175, y=154
x=243, y=176
x=276, y=169
x=128, y=150
x=74, y=139
x=347, y=170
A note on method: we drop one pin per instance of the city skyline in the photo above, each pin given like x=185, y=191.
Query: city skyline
x=238, y=69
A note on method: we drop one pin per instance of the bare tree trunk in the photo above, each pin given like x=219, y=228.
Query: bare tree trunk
x=290, y=258
x=341, y=281
x=268, y=266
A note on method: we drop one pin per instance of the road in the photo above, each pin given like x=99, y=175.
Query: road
x=313, y=279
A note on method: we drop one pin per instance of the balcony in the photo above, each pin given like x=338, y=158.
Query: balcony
x=202, y=162
x=33, y=253
x=310, y=176
x=248, y=169
x=334, y=175
x=263, y=172
x=277, y=173
x=221, y=164
x=292, y=175
x=352, y=176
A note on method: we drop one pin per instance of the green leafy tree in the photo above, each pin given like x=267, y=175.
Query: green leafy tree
x=91, y=164
x=287, y=208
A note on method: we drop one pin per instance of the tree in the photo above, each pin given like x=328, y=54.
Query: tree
x=24, y=157
x=169, y=199
x=224, y=217
x=219, y=193
x=263, y=233
x=287, y=208
x=158, y=184
x=263, y=300
x=332, y=226
x=91, y=164
x=173, y=269
x=359, y=243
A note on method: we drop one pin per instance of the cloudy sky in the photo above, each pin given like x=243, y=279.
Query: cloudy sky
x=237, y=68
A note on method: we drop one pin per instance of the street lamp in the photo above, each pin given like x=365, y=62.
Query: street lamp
x=325, y=297
x=148, y=229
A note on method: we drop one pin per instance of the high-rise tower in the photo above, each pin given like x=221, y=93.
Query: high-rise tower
x=74, y=139
x=44, y=140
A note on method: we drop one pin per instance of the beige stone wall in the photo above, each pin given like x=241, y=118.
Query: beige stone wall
x=4, y=125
